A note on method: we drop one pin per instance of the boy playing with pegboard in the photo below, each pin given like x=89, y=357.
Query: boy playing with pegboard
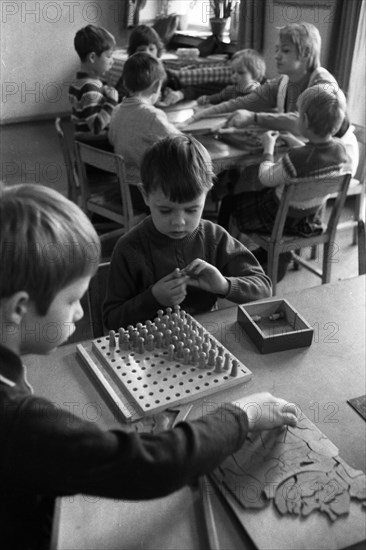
x=174, y=257
x=49, y=252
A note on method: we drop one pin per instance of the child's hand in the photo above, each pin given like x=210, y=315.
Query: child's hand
x=206, y=276
x=269, y=141
x=291, y=140
x=171, y=289
x=266, y=412
x=240, y=119
x=203, y=100
x=110, y=92
x=171, y=97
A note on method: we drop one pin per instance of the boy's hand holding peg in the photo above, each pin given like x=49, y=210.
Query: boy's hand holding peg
x=206, y=276
x=171, y=289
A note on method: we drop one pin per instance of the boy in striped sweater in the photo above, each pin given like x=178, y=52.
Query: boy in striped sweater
x=92, y=101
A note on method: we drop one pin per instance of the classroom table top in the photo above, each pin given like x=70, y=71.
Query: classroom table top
x=320, y=379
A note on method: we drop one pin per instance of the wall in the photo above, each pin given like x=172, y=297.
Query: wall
x=38, y=60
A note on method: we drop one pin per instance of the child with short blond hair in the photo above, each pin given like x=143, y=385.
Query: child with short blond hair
x=175, y=257
x=248, y=72
x=49, y=251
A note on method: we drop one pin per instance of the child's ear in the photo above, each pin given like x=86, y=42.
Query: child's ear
x=305, y=53
x=155, y=86
x=143, y=193
x=91, y=57
x=16, y=306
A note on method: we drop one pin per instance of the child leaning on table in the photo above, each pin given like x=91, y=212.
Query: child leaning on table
x=173, y=256
x=136, y=124
x=321, y=112
x=91, y=100
x=248, y=72
x=49, y=252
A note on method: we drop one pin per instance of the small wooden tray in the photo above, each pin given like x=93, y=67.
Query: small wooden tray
x=274, y=325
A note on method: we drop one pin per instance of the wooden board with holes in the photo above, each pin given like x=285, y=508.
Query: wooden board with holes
x=173, y=369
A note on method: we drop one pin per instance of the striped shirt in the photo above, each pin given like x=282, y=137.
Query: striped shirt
x=92, y=103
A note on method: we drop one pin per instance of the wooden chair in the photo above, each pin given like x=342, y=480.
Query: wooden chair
x=357, y=186
x=96, y=294
x=277, y=242
x=65, y=134
x=111, y=200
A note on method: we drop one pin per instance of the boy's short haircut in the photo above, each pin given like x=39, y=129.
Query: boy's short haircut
x=325, y=106
x=252, y=61
x=304, y=36
x=46, y=242
x=93, y=39
x=141, y=70
x=143, y=36
x=178, y=165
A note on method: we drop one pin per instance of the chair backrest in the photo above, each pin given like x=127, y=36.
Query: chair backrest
x=65, y=134
x=87, y=155
x=315, y=189
x=96, y=294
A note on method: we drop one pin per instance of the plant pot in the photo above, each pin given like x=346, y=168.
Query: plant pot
x=219, y=26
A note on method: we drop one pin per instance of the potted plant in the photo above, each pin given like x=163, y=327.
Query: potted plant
x=222, y=10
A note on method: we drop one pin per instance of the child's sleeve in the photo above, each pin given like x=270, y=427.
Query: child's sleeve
x=248, y=282
x=262, y=98
x=51, y=451
x=129, y=297
x=98, y=104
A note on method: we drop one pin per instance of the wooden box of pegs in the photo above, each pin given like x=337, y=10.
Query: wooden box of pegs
x=274, y=325
x=162, y=363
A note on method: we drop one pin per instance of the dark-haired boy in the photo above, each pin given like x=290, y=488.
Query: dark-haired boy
x=49, y=251
x=136, y=124
x=92, y=101
x=174, y=257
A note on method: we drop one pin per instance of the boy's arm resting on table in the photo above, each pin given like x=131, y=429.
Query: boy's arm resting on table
x=262, y=98
x=51, y=451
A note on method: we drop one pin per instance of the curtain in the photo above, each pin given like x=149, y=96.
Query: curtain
x=343, y=38
x=251, y=24
x=356, y=105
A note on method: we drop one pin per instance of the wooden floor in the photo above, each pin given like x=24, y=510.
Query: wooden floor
x=30, y=153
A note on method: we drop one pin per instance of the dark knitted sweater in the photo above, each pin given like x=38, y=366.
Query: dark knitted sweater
x=144, y=255
x=47, y=451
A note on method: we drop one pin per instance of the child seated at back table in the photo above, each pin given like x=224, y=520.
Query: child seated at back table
x=136, y=124
x=49, y=251
x=92, y=101
x=321, y=112
x=174, y=257
x=273, y=105
x=248, y=71
x=145, y=39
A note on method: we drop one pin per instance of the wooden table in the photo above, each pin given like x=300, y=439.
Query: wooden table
x=319, y=379
x=223, y=155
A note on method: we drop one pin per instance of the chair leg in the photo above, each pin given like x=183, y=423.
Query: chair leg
x=361, y=247
x=314, y=252
x=327, y=263
x=357, y=214
x=297, y=266
x=272, y=269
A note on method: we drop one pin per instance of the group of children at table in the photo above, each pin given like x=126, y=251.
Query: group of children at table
x=50, y=251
